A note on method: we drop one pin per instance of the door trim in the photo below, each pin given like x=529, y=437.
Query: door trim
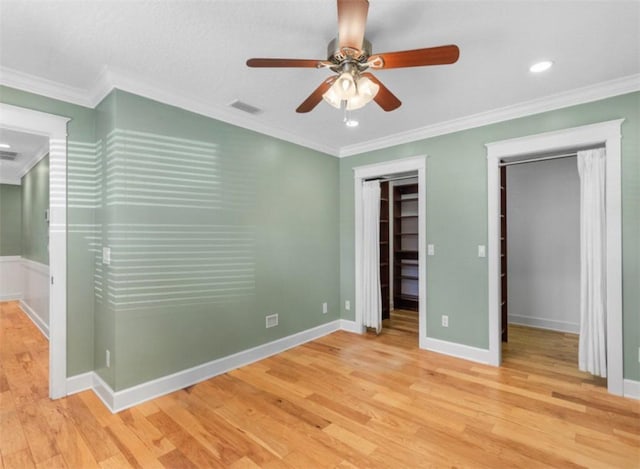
x=54, y=127
x=609, y=134
x=360, y=173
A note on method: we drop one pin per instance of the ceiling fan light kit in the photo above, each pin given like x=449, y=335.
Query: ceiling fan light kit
x=350, y=56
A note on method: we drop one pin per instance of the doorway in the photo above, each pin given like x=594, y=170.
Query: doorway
x=389, y=170
x=55, y=129
x=605, y=134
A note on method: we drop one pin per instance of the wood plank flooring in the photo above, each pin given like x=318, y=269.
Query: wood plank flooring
x=341, y=401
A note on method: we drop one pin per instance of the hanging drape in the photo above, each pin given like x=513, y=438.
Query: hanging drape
x=371, y=295
x=592, y=356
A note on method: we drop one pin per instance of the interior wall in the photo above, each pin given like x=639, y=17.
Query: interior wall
x=10, y=220
x=211, y=228
x=35, y=200
x=543, y=244
x=456, y=206
x=289, y=179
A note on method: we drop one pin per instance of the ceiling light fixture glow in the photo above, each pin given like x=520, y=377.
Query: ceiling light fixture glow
x=540, y=67
x=351, y=123
x=351, y=93
x=5, y=145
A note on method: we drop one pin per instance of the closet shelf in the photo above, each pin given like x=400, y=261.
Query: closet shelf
x=406, y=296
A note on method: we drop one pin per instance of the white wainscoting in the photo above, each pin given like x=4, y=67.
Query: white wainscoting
x=35, y=294
x=11, y=278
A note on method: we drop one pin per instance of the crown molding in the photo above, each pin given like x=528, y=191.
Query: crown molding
x=49, y=88
x=11, y=181
x=582, y=95
x=131, y=84
x=110, y=79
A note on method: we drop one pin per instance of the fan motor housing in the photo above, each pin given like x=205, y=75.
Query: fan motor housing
x=337, y=55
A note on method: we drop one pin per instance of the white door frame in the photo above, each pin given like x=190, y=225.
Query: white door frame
x=54, y=127
x=607, y=133
x=360, y=174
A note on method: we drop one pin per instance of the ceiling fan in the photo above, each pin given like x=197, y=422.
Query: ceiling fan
x=350, y=56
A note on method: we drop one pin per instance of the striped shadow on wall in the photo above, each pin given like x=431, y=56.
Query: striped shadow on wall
x=173, y=212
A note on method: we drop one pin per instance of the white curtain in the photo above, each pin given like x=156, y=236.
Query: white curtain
x=371, y=295
x=592, y=355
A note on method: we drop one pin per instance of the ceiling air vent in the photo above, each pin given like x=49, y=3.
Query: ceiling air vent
x=8, y=155
x=245, y=107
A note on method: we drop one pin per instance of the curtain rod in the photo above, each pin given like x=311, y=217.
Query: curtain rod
x=543, y=158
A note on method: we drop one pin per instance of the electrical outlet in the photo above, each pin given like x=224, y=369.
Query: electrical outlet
x=107, y=358
x=271, y=321
x=347, y=305
x=325, y=308
x=431, y=250
x=482, y=250
x=445, y=321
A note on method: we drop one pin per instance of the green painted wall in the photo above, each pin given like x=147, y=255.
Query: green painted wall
x=80, y=214
x=35, y=200
x=211, y=228
x=104, y=326
x=10, y=220
x=457, y=219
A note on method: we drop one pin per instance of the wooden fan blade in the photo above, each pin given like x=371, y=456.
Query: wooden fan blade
x=415, y=58
x=352, y=20
x=315, y=97
x=385, y=98
x=297, y=63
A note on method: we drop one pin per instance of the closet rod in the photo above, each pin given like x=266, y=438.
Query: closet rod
x=543, y=158
x=386, y=179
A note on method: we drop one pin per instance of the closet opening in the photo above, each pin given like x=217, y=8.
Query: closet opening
x=599, y=155
x=390, y=248
x=399, y=273
x=540, y=260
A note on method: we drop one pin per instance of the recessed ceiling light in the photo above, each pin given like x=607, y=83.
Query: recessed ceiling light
x=5, y=145
x=541, y=66
x=351, y=123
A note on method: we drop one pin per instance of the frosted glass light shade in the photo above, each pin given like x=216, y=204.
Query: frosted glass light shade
x=358, y=95
x=367, y=90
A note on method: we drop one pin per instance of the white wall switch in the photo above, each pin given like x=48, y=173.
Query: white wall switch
x=482, y=250
x=325, y=309
x=107, y=358
x=431, y=250
x=347, y=305
x=106, y=256
x=445, y=321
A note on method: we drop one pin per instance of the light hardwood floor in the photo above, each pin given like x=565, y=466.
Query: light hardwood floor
x=341, y=401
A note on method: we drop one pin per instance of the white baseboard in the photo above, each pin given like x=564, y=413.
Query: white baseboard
x=351, y=326
x=121, y=400
x=453, y=349
x=540, y=323
x=40, y=324
x=79, y=383
x=106, y=394
x=11, y=296
x=631, y=389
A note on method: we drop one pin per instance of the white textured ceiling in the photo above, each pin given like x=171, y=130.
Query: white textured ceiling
x=29, y=148
x=195, y=52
